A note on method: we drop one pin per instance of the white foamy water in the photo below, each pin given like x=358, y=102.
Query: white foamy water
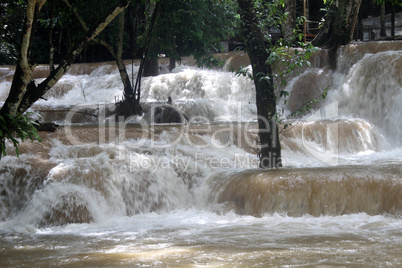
x=373, y=91
x=120, y=194
x=217, y=95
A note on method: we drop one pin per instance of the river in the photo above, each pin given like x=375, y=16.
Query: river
x=107, y=192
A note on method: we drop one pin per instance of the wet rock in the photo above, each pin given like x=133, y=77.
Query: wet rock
x=49, y=127
x=70, y=208
x=309, y=86
x=165, y=114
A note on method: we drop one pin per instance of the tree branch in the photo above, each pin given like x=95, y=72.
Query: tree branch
x=34, y=94
x=85, y=28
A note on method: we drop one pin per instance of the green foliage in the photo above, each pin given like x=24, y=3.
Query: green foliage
x=270, y=16
x=393, y=2
x=16, y=128
x=194, y=27
x=244, y=71
x=287, y=59
x=285, y=56
x=11, y=13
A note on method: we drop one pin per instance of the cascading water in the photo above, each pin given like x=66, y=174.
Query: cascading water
x=377, y=100
x=107, y=192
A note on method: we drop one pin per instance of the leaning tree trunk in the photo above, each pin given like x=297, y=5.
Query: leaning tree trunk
x=338, y=27
x=22, y=80
x=270, y=154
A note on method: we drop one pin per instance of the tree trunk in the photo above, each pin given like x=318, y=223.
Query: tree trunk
x=306, y=15
x=338, y=27
x=128, y=89
x=172, y=64
x=290, y=23
x=23, y=72
x=151, y=67
x=51, y=46
x=129, y=105
x=383, y=31
x=270, y=154
x=393, y=20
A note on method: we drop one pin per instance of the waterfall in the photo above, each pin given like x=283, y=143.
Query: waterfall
x=315, y=192
x=102, y=190
x=96, y=166
x=373, y=91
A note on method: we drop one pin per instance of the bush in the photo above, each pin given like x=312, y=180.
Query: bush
x=16, y=128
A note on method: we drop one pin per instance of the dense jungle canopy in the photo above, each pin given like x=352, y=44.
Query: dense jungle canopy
x=197, y=26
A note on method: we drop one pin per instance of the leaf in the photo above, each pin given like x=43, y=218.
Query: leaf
x=19, y=126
